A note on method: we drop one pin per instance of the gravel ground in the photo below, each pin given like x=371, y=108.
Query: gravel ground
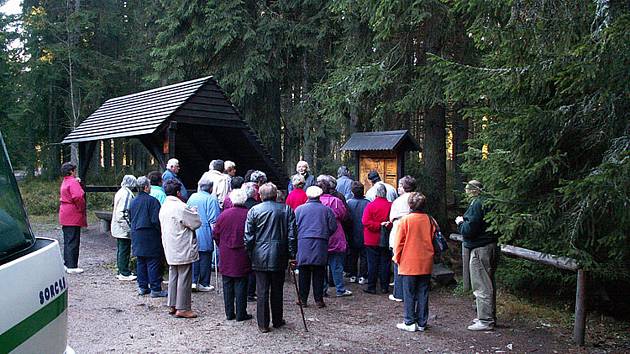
x=106, y=315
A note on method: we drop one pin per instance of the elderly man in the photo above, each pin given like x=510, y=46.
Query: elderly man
x=375, y=179
x=120, y=227
x=400, y=208
x=172, y=169
x=483, y=257
x=316, y=223
x=220, y=181
x=344, y=182
x=144, y=212
x=235, y=265
x=303, y=170
x=270, y=239
x=208, y=209
x=230, y=168
x=157, y=191
x=178, y=223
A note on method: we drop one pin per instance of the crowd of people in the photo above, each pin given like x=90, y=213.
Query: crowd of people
x=326, y=230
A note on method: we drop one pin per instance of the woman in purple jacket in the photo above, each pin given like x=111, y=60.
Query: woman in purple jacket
x=315, y=223
x=337, y=243
x=234, y=264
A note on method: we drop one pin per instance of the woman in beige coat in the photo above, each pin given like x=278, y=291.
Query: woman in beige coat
x=120, y=227
x=178, y=223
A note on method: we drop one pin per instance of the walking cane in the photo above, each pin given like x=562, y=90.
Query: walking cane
x=297, y=292
x=216, y=268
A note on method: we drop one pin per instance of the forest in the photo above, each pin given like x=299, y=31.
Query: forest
x=531, y=97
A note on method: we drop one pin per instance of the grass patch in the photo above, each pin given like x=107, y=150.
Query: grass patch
x=41, y=198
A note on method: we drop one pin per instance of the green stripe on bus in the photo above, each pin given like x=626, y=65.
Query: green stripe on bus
x=22, y=331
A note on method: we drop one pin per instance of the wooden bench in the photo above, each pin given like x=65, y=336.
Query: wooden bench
x=105, y=220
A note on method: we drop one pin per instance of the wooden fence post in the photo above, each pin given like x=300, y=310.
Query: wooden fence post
x=466, y=268
x=580, y=310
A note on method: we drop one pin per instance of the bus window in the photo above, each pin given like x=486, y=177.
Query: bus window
x=15, y=231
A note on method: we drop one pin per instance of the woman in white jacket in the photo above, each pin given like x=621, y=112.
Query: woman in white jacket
x=178, y=223
x=121, y=228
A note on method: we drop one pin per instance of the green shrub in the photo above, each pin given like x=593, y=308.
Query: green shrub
x=41, y=197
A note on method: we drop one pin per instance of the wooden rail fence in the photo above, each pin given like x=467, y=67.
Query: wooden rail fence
x=547, y=259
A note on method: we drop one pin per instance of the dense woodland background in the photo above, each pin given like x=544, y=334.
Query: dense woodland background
x=529, y=96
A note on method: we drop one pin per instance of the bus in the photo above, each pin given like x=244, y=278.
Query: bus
x=34, y=295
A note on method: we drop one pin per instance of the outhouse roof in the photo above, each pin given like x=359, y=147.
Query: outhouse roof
x=399, y=140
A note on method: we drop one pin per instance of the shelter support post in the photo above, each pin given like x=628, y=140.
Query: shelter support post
x=86, y=150
x=466, y=268
x=580, y=310
x=172, y=132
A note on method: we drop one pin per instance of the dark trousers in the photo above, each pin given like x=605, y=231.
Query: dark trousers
x=266, y=283
x=416, y=295
x=312, y=274
x=71, y=242
x=251, y=285
x=201, y=268
x=378, y=260
x=398, y=286
x=357, y=262
x=123, y=255
x=149, y=270
x=235, y=289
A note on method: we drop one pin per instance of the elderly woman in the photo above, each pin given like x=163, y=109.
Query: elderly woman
x=121, y=227
x=146, y=239
x=259, y=178
x=72, y=216
x=251, y=192
x=235, y=265
x=375, y=215
x=337, y=244
x=297, y=196
x=413, y=252
x=208, y=209
x=315, y=223
x=236, y=182
x=178, y=223
x=400, y=208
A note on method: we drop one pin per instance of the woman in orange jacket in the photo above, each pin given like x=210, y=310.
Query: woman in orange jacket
x=413, y=252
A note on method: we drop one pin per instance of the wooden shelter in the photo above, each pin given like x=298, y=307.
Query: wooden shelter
x=383, y=152
x=193, y=121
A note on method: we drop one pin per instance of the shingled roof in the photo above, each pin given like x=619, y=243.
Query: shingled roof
x=387, y=140
x=208, y=127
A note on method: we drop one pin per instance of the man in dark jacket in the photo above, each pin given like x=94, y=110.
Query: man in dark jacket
x=356, y=254
x=315, y=223
x=146, y=240
x=270, y=239
x=483, y=258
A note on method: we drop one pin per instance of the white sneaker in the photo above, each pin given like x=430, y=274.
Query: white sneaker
x=409, y=328
x=352, y=279
x=475, y=320
x=391, y=297
x=362, y=280
x=204, y=288
x=74, y=270
x=194, y=287
x=345, y=293
x=478, y=326
x=126, y=277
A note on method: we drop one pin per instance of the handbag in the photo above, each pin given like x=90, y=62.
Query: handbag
x=383, y=241
x=439, y=242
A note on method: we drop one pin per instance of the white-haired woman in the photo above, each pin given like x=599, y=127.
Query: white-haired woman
x=121, y=227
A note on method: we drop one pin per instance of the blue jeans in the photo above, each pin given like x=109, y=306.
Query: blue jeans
x=335, y=262
x=416, y=295
x=378, y=261
x=201, y=269
x=149, y=270
x=398, y=284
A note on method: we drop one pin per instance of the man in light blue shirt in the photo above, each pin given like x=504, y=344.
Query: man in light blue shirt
x=157, y=191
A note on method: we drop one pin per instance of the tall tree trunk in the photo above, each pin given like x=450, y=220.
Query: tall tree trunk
x=435, y=158
x=460, y=135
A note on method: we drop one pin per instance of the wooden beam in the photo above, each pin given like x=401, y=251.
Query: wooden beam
x=154, y=148
x=580, y=308
x=172, y=133
x=86, y=150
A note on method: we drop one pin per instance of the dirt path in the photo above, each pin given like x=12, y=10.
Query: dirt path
x=106, y=315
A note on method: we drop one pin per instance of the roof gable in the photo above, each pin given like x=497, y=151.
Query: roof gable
x=387, y=140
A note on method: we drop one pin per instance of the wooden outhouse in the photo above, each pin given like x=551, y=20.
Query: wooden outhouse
x=383, y=152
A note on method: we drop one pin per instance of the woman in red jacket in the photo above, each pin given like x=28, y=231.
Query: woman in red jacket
x=72, y=216
x=375, y=215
